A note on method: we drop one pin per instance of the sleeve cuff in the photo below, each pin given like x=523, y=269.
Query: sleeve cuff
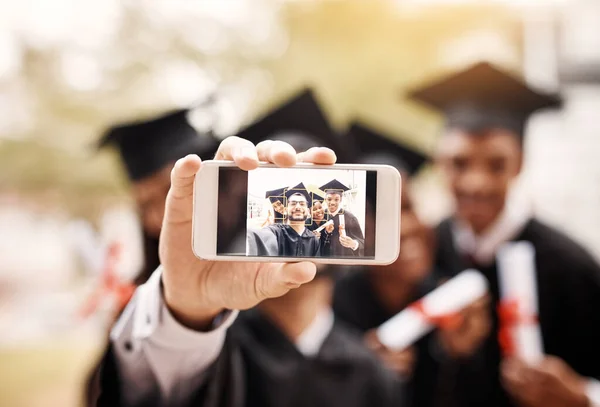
x=592, y=391
x=356, y=246
x=153, y=320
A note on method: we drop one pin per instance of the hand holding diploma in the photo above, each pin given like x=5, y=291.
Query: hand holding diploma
x=440, y=307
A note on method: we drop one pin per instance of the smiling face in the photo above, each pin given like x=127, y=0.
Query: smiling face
x=318, y=211
x=297, y=208
x=333, y=201
x=278, y=207
x=479, y=169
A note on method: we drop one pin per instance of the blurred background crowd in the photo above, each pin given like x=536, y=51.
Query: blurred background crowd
x=69, y=70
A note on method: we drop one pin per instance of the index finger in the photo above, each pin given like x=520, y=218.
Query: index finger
x=240, y=151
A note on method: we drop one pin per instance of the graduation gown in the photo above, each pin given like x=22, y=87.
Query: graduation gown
x=568, y=281
x=259, y=366
x=353, y=230
x=356, y=303
x=291, y=244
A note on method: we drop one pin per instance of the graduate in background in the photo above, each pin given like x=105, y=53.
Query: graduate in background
x=293, y=238
x=481, y=153
x=148, y=150
x=367, y=297
x=287, y=351
x=277, y=199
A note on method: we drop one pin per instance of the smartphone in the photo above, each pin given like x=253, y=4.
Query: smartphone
x=334, y=214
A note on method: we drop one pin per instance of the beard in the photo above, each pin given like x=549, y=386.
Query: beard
x=298, y=216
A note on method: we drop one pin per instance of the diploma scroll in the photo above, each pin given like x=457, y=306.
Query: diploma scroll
x=343, y=224
x=323, y=226
x=418, y=319
x=520, y=334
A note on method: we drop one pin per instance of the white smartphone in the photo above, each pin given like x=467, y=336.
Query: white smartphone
x=335, y=214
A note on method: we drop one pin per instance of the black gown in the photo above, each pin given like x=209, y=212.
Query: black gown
x=259, y=366
x=568, y=281
x=353, y=230
x=291, y=244
x=356, y=303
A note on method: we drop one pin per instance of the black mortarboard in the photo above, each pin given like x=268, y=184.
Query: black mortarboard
x=318, y=196
x=299, y=121
x=147, y=146
x=299, y=189
x=334, y=186
x=375, y=148
x=484, y=97
x=276, y=195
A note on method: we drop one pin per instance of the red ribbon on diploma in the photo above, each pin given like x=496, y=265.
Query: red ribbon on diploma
x=110, y=284
x=509, y=316
x=450, y=320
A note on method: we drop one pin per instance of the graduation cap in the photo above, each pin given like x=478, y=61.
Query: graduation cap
x=147, y=146
x=334, y=187
x=299, y=189
x=276, y=195
x=483, y=97
x=318, y=196
x=299, y=121
x=375, y=148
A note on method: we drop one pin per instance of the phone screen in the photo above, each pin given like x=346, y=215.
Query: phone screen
x=297, y=212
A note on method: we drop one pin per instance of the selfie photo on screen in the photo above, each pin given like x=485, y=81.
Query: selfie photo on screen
x=306, y=213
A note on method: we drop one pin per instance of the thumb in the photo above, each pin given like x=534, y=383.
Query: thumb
x=179, y=205
x=276, y=280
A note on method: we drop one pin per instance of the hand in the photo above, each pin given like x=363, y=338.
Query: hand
x=552, y=383
x=317, y=234
x=474, y=327
x=401, y=362
x=348, y=242
x=197, y=290
x=329, y=228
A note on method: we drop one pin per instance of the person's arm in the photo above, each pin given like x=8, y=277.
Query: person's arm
x=355, y=232
x=156, y=356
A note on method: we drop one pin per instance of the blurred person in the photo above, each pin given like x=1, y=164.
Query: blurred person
x=481, y=154
x=368, y=296
x=148, y=151
x=177, y=343
x=347, y=238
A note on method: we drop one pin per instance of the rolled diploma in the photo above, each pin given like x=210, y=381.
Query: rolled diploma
x=406, y=327
x=323, y=226
x=342, y=223
x=517, y=280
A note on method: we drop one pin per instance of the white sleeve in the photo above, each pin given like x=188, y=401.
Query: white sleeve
x=593, y=392
x=157, y=356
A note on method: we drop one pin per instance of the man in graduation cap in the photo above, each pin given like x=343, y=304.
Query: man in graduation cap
x=277, y=199
x=368, y=296
x=293, y=238
x=177, y=344
x=481, y=153
x=347, y=238
x=148, y=150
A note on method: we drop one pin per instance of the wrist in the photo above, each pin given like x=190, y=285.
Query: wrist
x=194, y=314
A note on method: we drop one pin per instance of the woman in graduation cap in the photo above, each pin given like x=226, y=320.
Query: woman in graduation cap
x=367, y=297
x=177, y=343
x=277, y=198
x=481, y=154
x=148, y=151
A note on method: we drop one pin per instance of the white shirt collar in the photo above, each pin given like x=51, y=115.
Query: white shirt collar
x=336, y=212
x=483, y=248
x=311, y=340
